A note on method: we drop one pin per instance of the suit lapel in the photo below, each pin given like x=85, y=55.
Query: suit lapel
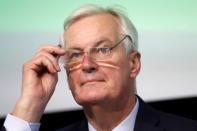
x=147, y=118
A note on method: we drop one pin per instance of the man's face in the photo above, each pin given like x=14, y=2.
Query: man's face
x=94, y=82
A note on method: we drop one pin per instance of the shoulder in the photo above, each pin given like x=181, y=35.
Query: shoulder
x=154, y=119
x=177, y=122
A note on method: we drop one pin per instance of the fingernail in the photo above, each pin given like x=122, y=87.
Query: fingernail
x=58, y=68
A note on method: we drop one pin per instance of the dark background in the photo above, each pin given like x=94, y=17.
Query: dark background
x=185, y=107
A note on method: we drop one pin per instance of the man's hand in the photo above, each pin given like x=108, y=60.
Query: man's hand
x=38, y=83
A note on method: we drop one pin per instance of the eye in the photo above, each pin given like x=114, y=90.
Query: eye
x=103, y=50
x=74, y=55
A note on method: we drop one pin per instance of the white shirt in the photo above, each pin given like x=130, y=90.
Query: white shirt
x=127, y=124
x=13, y=123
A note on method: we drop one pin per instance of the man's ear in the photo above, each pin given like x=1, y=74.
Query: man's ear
x=134, y=63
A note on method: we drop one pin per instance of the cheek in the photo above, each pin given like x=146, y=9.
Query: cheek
x=73, y=81
x=113, y=79
x=120, y=77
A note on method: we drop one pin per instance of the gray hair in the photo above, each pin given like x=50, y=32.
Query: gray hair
x=127, y=26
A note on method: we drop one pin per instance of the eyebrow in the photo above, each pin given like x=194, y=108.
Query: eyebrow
x=102, y=42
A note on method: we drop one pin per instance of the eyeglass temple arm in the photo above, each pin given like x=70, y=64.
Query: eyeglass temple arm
x=121, y=41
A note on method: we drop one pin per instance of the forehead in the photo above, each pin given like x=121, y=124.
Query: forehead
x=92, y=28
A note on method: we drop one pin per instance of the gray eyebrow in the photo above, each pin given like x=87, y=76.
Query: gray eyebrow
x=97, y=43
x=102, y=41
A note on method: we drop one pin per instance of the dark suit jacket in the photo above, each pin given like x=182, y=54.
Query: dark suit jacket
x=148, y=119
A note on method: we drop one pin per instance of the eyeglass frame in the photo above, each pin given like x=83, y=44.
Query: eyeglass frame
x=110, y=49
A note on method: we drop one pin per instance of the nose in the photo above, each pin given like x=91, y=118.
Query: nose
x=89, y=65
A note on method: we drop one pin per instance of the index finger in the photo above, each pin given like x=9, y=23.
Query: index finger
x=54, y=50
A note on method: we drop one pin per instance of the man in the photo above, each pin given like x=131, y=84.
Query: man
x=102, y=63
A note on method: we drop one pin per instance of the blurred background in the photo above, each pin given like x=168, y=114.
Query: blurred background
x=167, y=41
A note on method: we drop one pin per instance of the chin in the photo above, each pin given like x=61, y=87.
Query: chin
x=91, y=93
x=90, y=98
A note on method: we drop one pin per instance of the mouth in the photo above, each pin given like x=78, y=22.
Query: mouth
x=91, y=82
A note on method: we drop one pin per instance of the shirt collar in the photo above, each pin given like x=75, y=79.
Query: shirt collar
x=127, y=124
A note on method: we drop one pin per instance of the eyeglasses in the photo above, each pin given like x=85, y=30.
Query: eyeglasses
x=74, y=57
